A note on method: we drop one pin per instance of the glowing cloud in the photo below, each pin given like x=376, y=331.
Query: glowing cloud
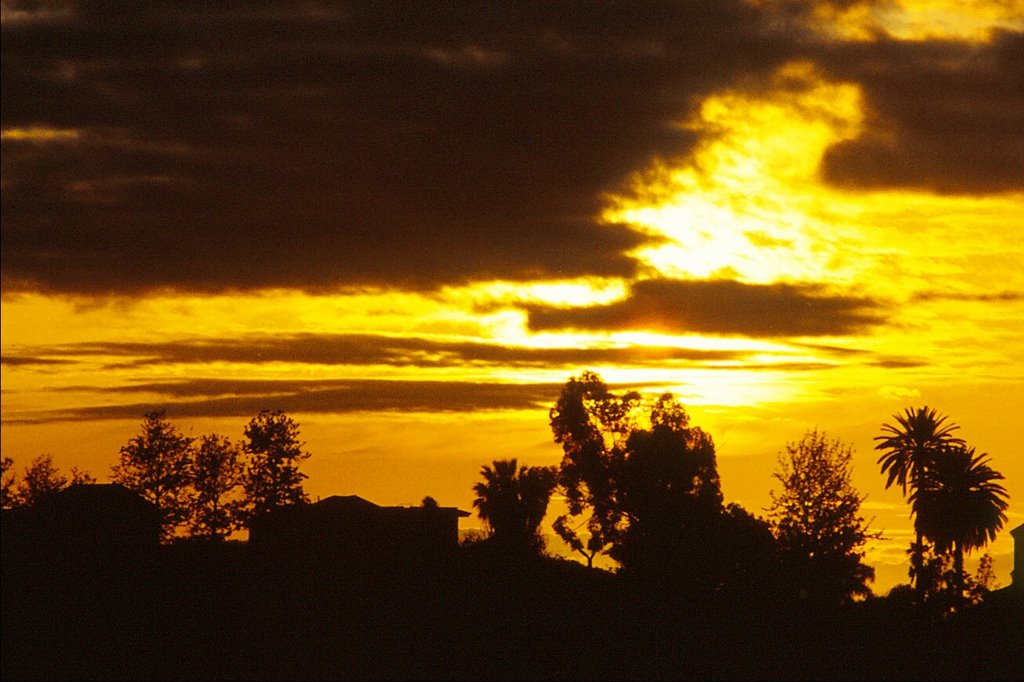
x=40, y=134
x=744, y=205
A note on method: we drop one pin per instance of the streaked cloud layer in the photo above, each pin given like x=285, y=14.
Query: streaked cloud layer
x=242, y=399
x=718, y=307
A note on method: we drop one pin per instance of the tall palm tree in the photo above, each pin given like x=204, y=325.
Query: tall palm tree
x=512, y=500
x=908, y=449
x=960, y=504
x=909, y=446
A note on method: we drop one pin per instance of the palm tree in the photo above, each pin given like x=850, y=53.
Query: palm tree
x=512, y=501
x=909, y=446
x=908, y=449
x=960, y=505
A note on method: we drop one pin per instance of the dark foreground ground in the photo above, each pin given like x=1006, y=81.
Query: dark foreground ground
x=189, y=613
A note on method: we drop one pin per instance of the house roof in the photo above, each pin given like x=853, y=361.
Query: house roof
x=356, y=503
x=100, y=494
x=351, y=502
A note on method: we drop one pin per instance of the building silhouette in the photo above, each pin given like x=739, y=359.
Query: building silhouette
x=83, y=521
x=349, y=528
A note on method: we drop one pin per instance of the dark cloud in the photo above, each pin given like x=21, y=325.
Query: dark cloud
x=244, y=399
x=204, y=397
x=1006, y=296
x=945, y=116
x=314, y=146
x=403, y=144
x=29, y=361
x=365, y=349
x=719, y=307
x=830, y=349
x=869, y=358
x=898, y=363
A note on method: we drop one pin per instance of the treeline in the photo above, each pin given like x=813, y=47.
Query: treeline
x=206, y=487
x=641, y=486
x=40, y=480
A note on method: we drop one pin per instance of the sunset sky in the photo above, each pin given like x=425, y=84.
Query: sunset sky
x=408, y=224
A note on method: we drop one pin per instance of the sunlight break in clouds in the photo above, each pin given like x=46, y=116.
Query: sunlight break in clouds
x=750, y=205
x=917, y=20
x=739, y=209
x=972, y=20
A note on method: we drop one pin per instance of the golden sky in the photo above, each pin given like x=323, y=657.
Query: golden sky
x=409, y=226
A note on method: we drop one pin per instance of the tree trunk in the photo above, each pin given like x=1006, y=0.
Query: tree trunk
x=958, y=570
x=919, y=586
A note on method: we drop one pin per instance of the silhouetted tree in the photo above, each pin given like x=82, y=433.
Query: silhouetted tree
x=932, y=576
x=79, y=477
x=157, y=465
x=7, y=481
x=639, y=478
x=743, y=556
x=908, y=448
x=816, y=518
x=589, y=544
x=984, y=580
x=217, y=475
x=512, y=501
x=960, y=506
x=669, y=493
x=272, y=477
x=42, y=480
x=592, y=425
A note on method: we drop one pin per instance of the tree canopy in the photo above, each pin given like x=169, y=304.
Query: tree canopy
x=816, y=518
x=215, y=501
x=960, y=506
x=955, y=498
x=639, y=479
x=157, y=464
x=7, y=481
x=40, y=480
x=272, y=478
x=512, y=500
